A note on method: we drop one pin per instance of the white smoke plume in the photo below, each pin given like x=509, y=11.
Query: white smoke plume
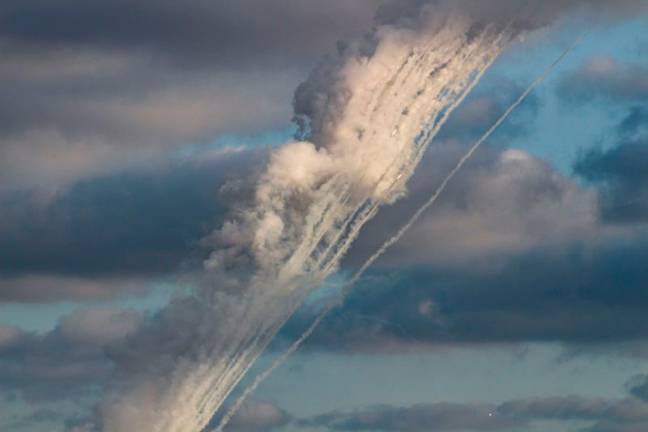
x=385, y=246
x=366, y=119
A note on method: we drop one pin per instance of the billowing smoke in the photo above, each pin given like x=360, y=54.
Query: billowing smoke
x=365, y=119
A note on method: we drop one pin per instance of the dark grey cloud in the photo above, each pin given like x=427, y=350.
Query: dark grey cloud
x=602, y=414
x=439, y=417
x=579, y=296
x=130, y=222
x=605, y=426
x=58, y=375
x=635, y=123
x=528, y=15
x=44, y=288
x=605, y=77
x=577, y=408
x=638, y=387
x=91, y=86
x=242, y=32
x=109, y=234
x=39, y=418
x=197, y=31
x=67, y=363
x=623, y=415
x=619, y=168
x=94, y=114
x=621, y=173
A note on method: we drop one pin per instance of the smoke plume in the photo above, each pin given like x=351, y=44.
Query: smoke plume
x=365, y=118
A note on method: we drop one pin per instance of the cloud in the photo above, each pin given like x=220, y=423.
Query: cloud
x=67, y=363
x=604, y=426
x=573, y=295
x=441, y=417
x=576, y=408
x=43, y=288
x=635, y=123
x=505, y=203
x=198, y=31
x=84, y=123
x=41, y=417
x=528, y=16
x=605, y=77
x=638, y=387
x=10, y=337
x=114, y=234
x=579, y=295
x=620, y=171
x=92, y=86
x=258, y=416
x=57, y=376
x=602, y=414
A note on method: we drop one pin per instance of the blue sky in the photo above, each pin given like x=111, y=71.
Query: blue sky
x=524, y=284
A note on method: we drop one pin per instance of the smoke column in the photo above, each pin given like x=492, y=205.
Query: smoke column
x=366, y=120
x=390, y=242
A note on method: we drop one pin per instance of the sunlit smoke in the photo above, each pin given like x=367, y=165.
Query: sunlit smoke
x=387, y=244
x=365, y=120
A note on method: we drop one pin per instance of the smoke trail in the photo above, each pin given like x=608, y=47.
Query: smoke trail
x=391, y=241
x=415, y=217
x=369, y=116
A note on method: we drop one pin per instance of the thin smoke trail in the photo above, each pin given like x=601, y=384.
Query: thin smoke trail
x=391, y=241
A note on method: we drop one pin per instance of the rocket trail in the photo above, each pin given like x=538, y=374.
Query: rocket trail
x=371, y=115
x=415, y=217
x=392, y=240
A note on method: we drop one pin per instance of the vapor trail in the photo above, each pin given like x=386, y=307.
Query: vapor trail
x=391, y=241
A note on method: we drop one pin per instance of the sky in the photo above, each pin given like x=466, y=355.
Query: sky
x=131, y=132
